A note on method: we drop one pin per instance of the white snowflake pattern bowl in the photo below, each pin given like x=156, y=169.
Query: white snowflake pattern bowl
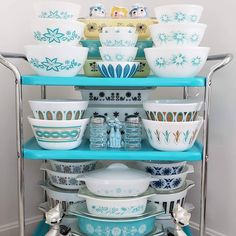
x=60, y=61
x=57, y=32
x=178, y=13
x=126, y=54
x=118, y=39
x=57, y=10
x=172, y=136
x=58, y=134
x=62, y=180
x=175, y=35
x=118, y=30
x=176, y=62
x=61, y=109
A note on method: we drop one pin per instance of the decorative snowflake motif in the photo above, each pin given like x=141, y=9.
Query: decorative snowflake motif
x=166, y=171
x=53, y=35
x=52, y=64
x=116, y=231
x=142, y=229
x=179, y=37
x=58, y=168
x=196, y=61
x=194, y=37
x=180, y=16
x=176, y=182
x=67, y=169
x=150, y=170
x=163, y=38
x=161, y=62
x=193, y=18
x=179, y=59
x=107, y=57
x=165, y=18
x=73, y=181
x=159, y=183
x=90, y=228
x=157, y=170
x=119, y=57
x=62, y=180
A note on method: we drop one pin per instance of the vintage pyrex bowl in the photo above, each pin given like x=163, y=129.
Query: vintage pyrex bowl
x=58, y=134
x=118, y=29
x=172, y=136
x=71, y=166
x=66, y=61
x=57, y=10
x=62, y=180
x=118, y=53
x=175, y=110
x=175, y=35
x=162, y=167
x=114, y=69
x=64, y=197
x=176, y=61
x=172, y=182
x=169, y=199
x=64, y=109
x=117, y=180
x=178, y=13
x=118, y=39
x=57, y=32
x=115, y=207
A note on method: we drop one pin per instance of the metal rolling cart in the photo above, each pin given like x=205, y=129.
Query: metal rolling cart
x=30, y=149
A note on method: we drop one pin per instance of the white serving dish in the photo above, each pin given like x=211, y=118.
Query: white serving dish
x=57, y=10
x=176, y=35
x=105, y=207
x=178, y=13
x=118, y=39
x=118, y=30
x=58, y=134
x=72, y=166
x=176, y=61
x=62, y=180
x=61, y=61
x=64, y=109
x=177, y=110
x=127, y=54
x=57, y=32
x=172, y=136
x=64, y=197
x=162, y=167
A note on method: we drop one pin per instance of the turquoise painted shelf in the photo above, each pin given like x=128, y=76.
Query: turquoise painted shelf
x=33, y=151
x=83, y=81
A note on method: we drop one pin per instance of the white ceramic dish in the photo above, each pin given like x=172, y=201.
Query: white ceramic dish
x=176, y=35
x=172, y=136
x=118, y=30
x=179, y=13
x=127, y=54
x=105, y=207
x=71, y=166
x=62, y=180
x=59, y=10
x=66, y=61
x=57, y=32
x=118, y=39
x=176, y=61
x=172, y=110
x=65, y=109
x=58, y=134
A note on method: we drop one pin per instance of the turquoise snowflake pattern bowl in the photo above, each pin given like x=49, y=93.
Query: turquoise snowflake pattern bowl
x=179, y=13
x=176, y=61
x=66, y=61
x=172, y=136
x=118, y=69
x=118, y=54
x=58, y=10
x=58, y=134
x=57, y=32
x=175, y=35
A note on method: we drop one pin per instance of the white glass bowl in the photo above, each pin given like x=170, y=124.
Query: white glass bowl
x=47, y=60
x=176, y=61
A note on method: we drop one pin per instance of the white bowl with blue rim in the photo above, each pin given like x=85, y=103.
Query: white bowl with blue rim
x=58, y=134
x=57, y=32
x=117, y=69
x=178, y=13
x=127, y=54
x=49, y=60
x=175, y=35
x=118, y=29
x=59, y=10
x=175, y=62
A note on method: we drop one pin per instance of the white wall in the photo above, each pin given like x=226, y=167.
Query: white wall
x=15, y=17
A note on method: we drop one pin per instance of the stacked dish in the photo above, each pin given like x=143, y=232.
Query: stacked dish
x=58, y=33
x=58, y=124
x=118, y=52
x=177, y=38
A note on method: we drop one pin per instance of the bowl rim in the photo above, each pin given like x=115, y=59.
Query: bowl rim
x=116, y=48
x=54, y=46
x=45, y=23
x=58, y=123
x=58, y=101
x=197, y=121
x=174, y=48
x=115, y=63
